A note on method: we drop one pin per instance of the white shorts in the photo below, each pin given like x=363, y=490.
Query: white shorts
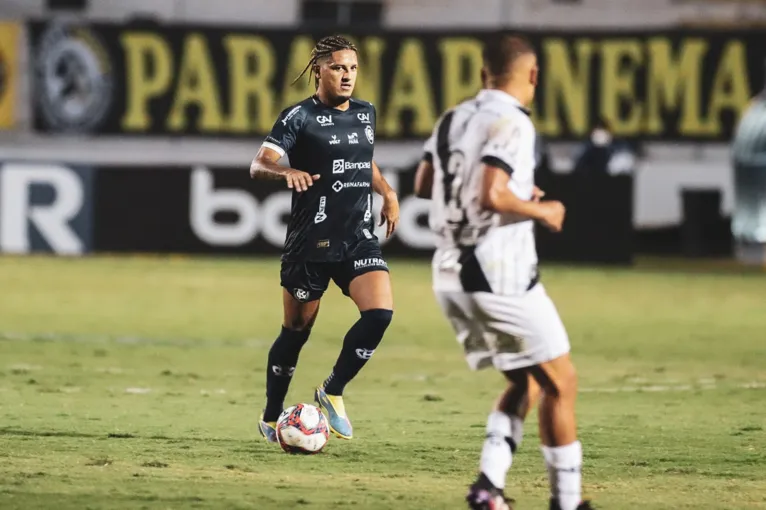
x=507, y=332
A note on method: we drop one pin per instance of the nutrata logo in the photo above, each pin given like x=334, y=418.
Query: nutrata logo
x=370, y=262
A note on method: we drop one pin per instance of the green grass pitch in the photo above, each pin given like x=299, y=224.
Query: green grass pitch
x=137, y=383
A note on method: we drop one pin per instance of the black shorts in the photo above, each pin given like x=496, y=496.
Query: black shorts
x=308, y=281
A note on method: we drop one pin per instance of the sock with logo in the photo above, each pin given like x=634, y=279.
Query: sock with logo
x=564, y=464
x=283, y=357
x=358, y=346
x=504, y=435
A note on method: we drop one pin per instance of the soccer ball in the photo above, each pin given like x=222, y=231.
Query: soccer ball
x=302, y=429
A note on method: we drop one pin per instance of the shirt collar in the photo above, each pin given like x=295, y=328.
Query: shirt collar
x=499, y=95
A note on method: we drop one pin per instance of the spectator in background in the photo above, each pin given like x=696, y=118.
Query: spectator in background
x=602, y=154
x=749, y=161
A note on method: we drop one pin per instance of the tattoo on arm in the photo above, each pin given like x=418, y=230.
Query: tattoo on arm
x=266, y=166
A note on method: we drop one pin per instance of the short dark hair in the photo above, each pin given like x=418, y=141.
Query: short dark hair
x=502, y=50
x=325, y=48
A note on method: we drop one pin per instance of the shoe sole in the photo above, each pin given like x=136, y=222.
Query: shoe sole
x=335, y=433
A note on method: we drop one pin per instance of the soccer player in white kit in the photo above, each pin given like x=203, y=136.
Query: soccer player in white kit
x=478, y=171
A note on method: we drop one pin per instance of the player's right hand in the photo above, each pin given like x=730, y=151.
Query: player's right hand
x=298, y=180
x=553, y=215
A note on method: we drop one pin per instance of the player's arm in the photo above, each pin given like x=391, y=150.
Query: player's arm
x=279, y=142
x=380, y=185
x=507, y=140
x=497, y=196
x=424, y=177
x=390, y=212
x=266, y=166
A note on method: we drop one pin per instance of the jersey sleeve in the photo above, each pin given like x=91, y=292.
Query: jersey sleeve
x=285, y=132
x=505, y=140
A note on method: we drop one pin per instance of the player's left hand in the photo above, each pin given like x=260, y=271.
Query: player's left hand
x=537, y=194
x=390, y=213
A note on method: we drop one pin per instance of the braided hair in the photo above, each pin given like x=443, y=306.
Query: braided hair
x=324, y=49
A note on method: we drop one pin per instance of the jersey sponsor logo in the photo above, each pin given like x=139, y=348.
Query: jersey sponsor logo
x=364, y=118
x=321, y=215
x=334, y=140
x=290, y=115
x=370, y=262
x=353, y=138
x=323, y=243
x=368, y=212
x=337, y=185
x=339, y=166
x=370, y=134
x=325, y=120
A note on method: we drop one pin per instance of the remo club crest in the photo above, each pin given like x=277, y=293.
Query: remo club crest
x=370, y=134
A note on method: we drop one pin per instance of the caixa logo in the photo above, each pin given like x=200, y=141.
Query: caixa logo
x=267, y=217
x=45, y=208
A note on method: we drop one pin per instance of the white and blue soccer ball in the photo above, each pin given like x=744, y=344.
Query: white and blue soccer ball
x=302, y=428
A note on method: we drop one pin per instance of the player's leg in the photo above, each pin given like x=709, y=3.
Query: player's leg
x=505, y=430
x=558, y=380
x=303, y=286
x=369, y=286
x=561, y=449
x=371, y=292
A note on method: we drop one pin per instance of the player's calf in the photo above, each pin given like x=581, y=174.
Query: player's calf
x=505, y=429
x=358, y=347
x=561, y=449
x=280, y=367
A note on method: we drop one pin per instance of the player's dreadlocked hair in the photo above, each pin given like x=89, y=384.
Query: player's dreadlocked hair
x=325, y=48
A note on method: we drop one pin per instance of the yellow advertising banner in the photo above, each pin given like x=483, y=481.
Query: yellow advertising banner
x=9, y=37
x=225, y=81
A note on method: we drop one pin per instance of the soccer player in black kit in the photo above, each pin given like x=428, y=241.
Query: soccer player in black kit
x=329, y=139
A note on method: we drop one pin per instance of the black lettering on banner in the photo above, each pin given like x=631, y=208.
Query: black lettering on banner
x=232, y=82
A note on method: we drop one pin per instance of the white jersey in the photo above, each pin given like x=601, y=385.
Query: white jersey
x=478, y=250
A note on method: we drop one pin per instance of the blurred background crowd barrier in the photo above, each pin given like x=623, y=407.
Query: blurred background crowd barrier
x=129, y=126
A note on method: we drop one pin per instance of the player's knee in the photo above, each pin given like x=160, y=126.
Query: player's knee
x=302, y=324
x=377, y=319
x=559, y=383
x=375, y=322
x=301, y=321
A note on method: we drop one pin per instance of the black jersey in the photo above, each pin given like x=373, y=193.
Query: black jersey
x=335, y=213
